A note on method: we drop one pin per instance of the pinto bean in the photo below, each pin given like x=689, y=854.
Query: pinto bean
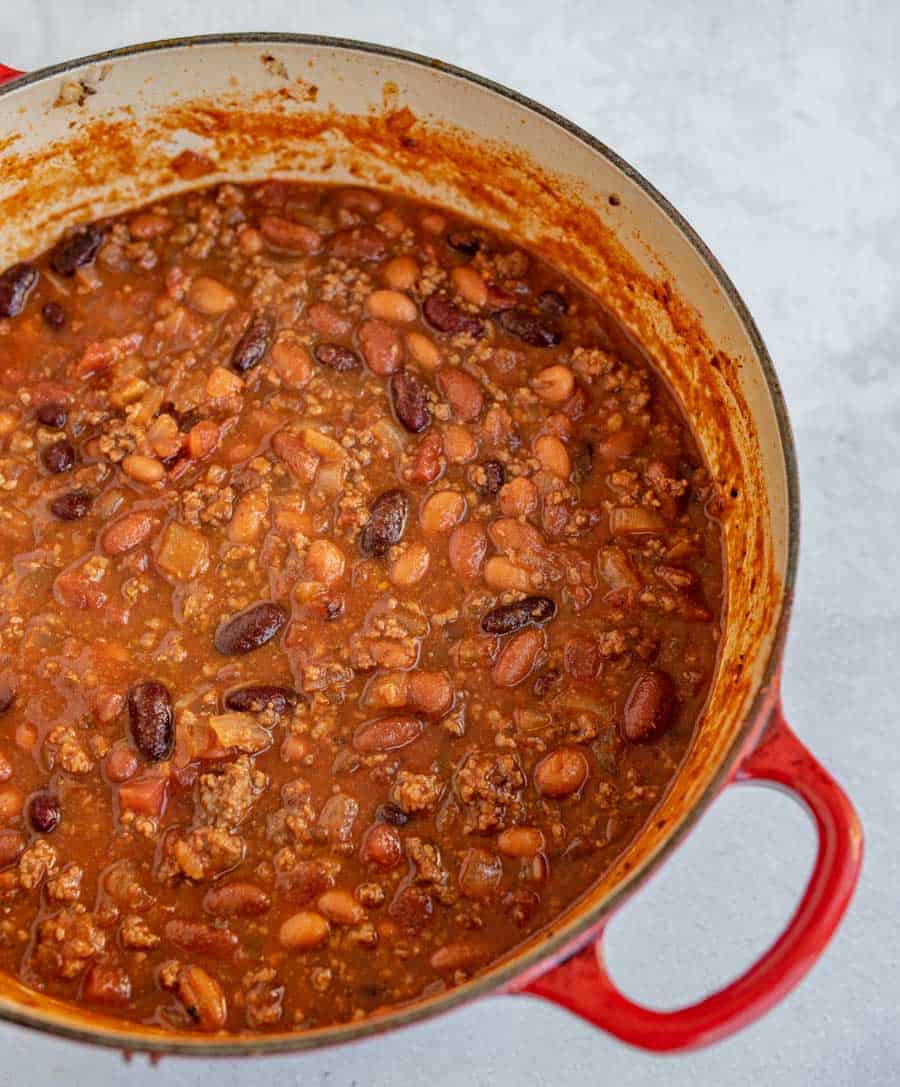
x=480, y=873
x=392, y=306
x=441, y=512
x=518, y=498
x=327, y=321
x=427, y=463
x=236, y=900
x=508, y=618
x=304, y=931
x=410, y=566
x=381, y=347
x=202, y=997
x=649, y=707
x=470, y=285
x=523, y=842
x=341, y=908
x=285, y=234
x=459, y=445
x=382, y=846
x=518, y=657
x=462, y=392
x=387, y=733
x=554, y=384
x=324, y=562
x=400, y=273
x=466, y=550
x=423, y=350
x=562, y=773
x=210, y=297
x=501, y=573
x=553, y=455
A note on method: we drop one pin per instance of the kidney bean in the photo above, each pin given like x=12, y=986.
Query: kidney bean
x=462, y=392
x=250, y=628
x=466, y=550
x=528, y=327
x=16, y=283
x=387, y=733
x=152, y=720
x=202, y=997
x=390, y=813
x=341, y=908
x=464, y=241
x=77, y=250
x=387, y=523
x=381, y=845
x=518, y=657
x=446, y=316
x=582, y=457
x=285, y=234
x=518, y=498
x=381, y=347
x=649, y=707
x=441, y=511
x=236, y=900
x=260, y=696
x=335, y=357
x=427, y=464
x=71, y=506
x=52, y=414
x=409, y=395
x=510, y=617
x=201, y=939
x=562, y=773
x=251, y=348
x=59, y=457
x=358, y=243
x=7, y=698
x=552, y=302
x=44, y=812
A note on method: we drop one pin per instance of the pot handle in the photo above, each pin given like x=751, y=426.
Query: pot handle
x=7, y=74
x=583, y=985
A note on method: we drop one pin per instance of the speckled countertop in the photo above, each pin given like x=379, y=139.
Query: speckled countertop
x=775, y=128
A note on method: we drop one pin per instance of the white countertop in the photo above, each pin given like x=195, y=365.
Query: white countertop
x=775, y=128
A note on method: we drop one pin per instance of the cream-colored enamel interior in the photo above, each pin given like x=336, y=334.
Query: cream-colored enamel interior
x=322, y=112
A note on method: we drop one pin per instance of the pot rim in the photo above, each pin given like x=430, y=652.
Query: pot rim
x=575, y=934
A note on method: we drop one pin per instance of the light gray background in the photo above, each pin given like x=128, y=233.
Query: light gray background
x=775, y=128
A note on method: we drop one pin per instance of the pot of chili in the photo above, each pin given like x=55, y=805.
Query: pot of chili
x=333, y=231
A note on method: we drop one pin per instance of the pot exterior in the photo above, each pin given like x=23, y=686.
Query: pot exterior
x=99, y=135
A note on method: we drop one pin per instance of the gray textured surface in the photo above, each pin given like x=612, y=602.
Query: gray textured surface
x=775, y=127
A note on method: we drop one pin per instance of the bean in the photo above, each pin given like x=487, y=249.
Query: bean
x=148, y=224
x=210, y=297
x=152, y=720
x=11, y=802
x=11, y=845
x=412, y=908
x=76, y=250
x=249, y=629
x=53, y=314
x=553, y=302
x=295, y=237
x=582, y=460
x=382, y=846
x=336, y=357
x=358, y=243
x=511, y=617
x=409, y=396
x=649, y=707
x=528, y=327
x=459, y=445
x=553, y=455
x=59, y=457
x=518, y=657
x=236, y=900
x=251, y=348
x=501, y=573
x=291, y=361
x=249, y=517
x=562, y=773
x=126, y=533
x=456, y=956
x=387, y=733
x=71, y=506
x=386, y=525
x=427, y=463
x=470, y=285
x=446, y=316
x=466, y=550
x=200, y=938
x=515, y=537
x=423, y=350
x=303, y=931
x=441, y=512
x=261, y=696
x=429, y=692
x=16, y=283
x=7, y=699
x=400, y=273
x=381, y=347
x=490, y=478
x=390, y=813
x=554, y=384
x=324, y=562
x=202, y=997
x=410, y=566
x=462, y=392
x=44, y=812
x=464, y=241
x=341, y=908
x=143, y=469
x=52, y=414
x=480, y=873
x=121, y=763
x=518, y=498
x=520, y=842
x=391, y=306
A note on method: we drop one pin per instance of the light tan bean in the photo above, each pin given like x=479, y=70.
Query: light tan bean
x=164, y=436
x=441, y=512
x=222, y=383
x=520, y=841
x=291, y=362
x=456, y=956
x=11, y=801
x=249, y=516
x=143, y=469
x=459, y=445
x=202, y=997
x=400, y=273
x=324, y=562
x=430, y=692
x=410, y=566
x=480, y=873
x=518, y=498
x=303, y=931
x=149, y=224
x=381, y=347
x=341, y=908
x=470, y=285
x=425, y=351
x=391, y=306
x=210, y=297
x=250, y=241
x=517, y=657
x=501, y=573
x=561, y=773
x=553, y=455
x=554, y=384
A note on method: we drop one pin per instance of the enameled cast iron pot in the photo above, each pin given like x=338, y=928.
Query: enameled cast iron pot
x=97, y=135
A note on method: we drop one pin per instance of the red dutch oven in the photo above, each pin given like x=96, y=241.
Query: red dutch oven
x=96, y=135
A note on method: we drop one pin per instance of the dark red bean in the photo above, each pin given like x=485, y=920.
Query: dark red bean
x=649, y=706
x=409, y=396
x=528, y=327
x=464, y=241
x=54, y=315
x=494, y=478
x=390, y=813
x=44, y=812
x=7, y=698
x=358, y=243
x=336, y=357
x=387, y=523
x=152, y=720
x=261, y=696
x=16, y=283
x=71, y=506
x=446, y=316
x=552, y=302
x=582, y=454
x=76, y=250
x=59, y=457
x=52, y=414
x=250, y=628
x=509, y=617
x=251, y=348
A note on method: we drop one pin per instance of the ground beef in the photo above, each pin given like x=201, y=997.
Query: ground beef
x=428, y=870
x=489, y=787
x=38, y=861
x=201, y=854
x=227, y=795
x=416, y=792
x=67, y=942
